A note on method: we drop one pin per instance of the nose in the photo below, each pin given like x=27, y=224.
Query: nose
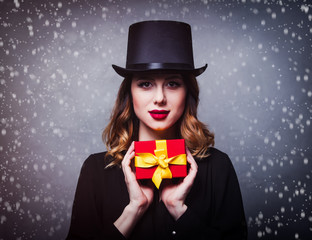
x=160, y=97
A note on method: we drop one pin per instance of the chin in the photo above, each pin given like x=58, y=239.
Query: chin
x=161, y=128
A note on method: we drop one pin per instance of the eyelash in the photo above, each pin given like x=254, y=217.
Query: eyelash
x=175, y=84
x=143, y=84
x=171, y=84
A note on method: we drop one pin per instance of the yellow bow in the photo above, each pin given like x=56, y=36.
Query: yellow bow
x=161, y=160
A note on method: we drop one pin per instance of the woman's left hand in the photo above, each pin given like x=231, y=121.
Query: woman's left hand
x=174, y=195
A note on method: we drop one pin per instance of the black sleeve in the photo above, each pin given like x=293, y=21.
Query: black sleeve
x=85, y=220
x=228, y=218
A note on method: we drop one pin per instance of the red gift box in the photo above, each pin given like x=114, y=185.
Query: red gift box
x=172, y=148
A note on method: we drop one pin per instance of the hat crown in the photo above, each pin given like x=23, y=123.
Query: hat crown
x=160, y=42
x=159, y=46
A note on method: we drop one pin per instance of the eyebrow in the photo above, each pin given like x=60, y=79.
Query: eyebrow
x=140, y=78
x=174, y=77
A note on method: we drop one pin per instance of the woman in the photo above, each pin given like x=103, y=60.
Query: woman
x=158, y=100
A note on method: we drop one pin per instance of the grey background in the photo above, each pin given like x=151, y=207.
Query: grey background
x=58, y=88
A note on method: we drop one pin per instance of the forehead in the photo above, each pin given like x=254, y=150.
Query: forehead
x=157, y=75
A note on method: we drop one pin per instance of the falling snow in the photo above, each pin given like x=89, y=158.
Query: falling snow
x=58, y=87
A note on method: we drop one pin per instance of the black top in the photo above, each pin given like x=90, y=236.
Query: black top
x=215, y=209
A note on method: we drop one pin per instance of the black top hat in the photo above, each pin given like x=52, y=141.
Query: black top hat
x=158, y=46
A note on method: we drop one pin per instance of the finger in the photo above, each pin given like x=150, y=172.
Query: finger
x=132, y=146
x=190, y=159
x=193, y=166
x=130, y=149
x=127, y=162
x=189, y=179
x=127, y=156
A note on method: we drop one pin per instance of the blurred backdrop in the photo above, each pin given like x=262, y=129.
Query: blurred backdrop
x=58, y=88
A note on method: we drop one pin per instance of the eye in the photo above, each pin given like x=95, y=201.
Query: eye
x=145, y=84
x=174, y=84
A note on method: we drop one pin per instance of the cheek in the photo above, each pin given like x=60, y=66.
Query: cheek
x=139, y=101
x=136, y=103
x=135, y=98
x=179, y=101
x=181, y=106
x=183, y=98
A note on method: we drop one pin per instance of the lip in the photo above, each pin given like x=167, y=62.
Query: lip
x=159, y=114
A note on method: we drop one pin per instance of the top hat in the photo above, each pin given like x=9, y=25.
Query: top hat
x=159, y=46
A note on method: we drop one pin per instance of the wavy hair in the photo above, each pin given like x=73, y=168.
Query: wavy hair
x=123, y=127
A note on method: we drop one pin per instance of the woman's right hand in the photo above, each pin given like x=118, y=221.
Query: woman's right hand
x=141, y=196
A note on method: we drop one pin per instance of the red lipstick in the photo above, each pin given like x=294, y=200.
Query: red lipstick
x=159, y=114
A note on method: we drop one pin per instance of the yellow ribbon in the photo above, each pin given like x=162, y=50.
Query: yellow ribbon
x=161, y=160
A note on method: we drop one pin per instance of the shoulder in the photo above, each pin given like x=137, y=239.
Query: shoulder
x=216, y=160
x=219, y=167
x=214, y=152
x=215, y=156
x=97, y=161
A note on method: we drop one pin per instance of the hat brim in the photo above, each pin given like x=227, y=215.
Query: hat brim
x=124, y=72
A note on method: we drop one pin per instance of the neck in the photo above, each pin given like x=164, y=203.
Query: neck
x=146, y=134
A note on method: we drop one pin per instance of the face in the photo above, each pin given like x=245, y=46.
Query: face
x=158, y=100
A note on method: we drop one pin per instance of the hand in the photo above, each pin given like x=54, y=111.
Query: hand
x=174, y=195
x=140, y=196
